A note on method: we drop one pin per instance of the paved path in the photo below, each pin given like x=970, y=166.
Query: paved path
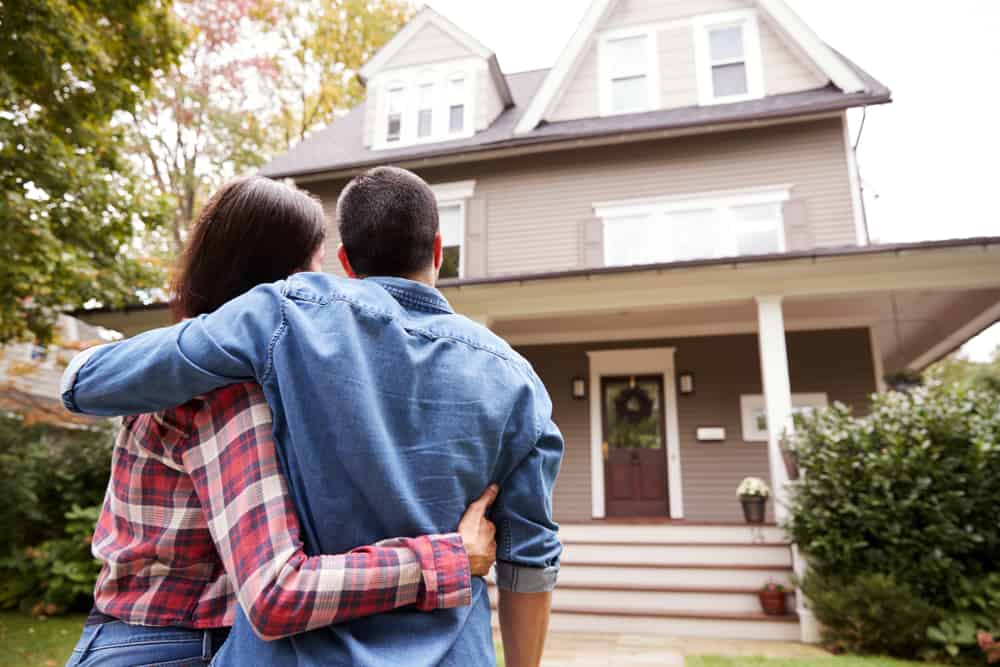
x=597, y=650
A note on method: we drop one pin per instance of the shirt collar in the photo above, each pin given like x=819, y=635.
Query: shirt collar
x=414, y=295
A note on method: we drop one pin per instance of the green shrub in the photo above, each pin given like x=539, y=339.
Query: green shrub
x=52, y=482
x=910, y=491
x=869, y=613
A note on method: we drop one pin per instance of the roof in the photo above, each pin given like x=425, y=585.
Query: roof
x=340, y=147
x=814, y=254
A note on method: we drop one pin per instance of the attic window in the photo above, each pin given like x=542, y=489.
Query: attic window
x=628, y=72
x=394, y=117
x=456, y=105
x=727, y=51
x=425, y=110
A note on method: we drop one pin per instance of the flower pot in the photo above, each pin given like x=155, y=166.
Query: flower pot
x=754, y=508
x=773, y=602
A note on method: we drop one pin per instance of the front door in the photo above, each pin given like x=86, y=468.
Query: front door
x=635, y=455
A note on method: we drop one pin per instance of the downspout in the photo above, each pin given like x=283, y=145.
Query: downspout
x=861, y=182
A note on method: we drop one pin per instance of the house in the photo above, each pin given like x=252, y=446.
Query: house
x=30, y=374
x=668, y=224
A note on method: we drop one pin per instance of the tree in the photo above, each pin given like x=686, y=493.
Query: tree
x=961, y=370
x=70, y=204
x=325, y=43
x=255, y=78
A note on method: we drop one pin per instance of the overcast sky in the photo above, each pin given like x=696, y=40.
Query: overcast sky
x=929, y=160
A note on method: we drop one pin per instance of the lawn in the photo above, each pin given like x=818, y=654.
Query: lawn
x=714, y=661
x=32, y=642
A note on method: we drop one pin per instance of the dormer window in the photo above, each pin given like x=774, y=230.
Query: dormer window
x=456, y=105
x=394, y=113
x=426, y=104
x=425, y=110
x=727, y=54
x=629, y=75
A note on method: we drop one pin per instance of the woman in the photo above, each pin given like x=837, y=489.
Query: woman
x=197, y=516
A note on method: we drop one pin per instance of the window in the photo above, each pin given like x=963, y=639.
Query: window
x=675, y=230
x=452, y=222
x=394, y=111
x=425, y=110
x=728, y=55
x=629, y=78
x=456, y=105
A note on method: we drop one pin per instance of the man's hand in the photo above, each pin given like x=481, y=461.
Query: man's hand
x=479, y=534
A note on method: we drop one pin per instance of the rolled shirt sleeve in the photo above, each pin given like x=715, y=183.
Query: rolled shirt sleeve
x=528, y=546
x=166, y=367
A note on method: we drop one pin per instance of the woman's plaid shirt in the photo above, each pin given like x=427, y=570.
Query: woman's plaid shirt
x=197, y=514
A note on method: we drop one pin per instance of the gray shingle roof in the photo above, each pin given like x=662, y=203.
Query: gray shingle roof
x=339, y=146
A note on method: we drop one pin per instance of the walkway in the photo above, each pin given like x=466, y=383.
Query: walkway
x=594, y=650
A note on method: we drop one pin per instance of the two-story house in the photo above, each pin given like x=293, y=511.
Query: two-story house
x=668, y=224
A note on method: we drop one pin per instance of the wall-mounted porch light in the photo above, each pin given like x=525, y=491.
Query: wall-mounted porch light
x=579, y=388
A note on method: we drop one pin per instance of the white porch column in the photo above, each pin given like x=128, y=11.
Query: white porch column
x=777, y=392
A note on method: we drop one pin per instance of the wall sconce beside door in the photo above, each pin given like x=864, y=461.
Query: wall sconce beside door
x=685, y=383
x=578, y=388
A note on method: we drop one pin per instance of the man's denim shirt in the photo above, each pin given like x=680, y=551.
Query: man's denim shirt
x=391, y=414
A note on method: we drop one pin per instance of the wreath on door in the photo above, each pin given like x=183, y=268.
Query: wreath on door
x=634, y=404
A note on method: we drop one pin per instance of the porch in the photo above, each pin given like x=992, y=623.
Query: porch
x=713, y=353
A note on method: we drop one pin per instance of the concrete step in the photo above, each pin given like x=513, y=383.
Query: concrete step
x=672, y=576
x=656, y=599
x=730, y=626
x=635, y=553
x=672, y=533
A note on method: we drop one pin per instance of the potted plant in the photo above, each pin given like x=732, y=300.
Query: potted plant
x=773, y=599
x=753, y=493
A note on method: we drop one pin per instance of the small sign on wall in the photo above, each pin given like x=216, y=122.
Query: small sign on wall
x=711, y=434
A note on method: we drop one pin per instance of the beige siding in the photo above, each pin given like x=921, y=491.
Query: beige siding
x=579, y=97
x=488, y=102
x=371, y=109
x=430, y=45
x=783, y=71
x=535, y=206
x=637, y=12
x=835, y=362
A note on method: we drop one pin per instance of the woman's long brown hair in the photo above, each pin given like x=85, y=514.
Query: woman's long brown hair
x=252, y=231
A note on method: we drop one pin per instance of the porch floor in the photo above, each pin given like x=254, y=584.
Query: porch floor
x=622, y=650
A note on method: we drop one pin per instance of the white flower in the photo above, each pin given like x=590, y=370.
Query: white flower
x=753, y=486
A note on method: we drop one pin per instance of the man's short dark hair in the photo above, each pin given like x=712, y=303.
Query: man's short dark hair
x=388, y=219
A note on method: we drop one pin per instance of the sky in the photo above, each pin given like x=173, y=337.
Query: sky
x=929, y=160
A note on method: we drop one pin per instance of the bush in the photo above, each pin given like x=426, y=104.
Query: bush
x=910, y=492
x=869, y=613
x=52, y=482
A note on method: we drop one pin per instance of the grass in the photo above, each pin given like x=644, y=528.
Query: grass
x=33, y=642
x=846, y=661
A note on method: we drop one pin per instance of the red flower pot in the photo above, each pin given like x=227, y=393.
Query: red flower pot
x=774, y=603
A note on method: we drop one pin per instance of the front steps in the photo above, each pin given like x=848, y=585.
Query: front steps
x=679, y=580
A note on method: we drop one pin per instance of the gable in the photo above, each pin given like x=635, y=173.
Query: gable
x=779, y=54
x=677, y=85
x=429, y=45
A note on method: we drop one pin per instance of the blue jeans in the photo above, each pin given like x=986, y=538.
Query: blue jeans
x=118, y=644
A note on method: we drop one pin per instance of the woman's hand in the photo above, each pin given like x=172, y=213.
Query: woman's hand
x=479, y=534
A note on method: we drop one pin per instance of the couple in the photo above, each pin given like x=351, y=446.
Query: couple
x=317, y=414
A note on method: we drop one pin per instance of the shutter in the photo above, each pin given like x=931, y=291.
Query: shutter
x=591, y=243
x=798, y=232
x=475, y=237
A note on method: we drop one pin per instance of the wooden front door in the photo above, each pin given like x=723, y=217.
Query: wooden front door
x=635, y=454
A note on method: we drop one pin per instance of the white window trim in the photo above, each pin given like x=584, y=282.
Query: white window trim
x=642, y=361
x=457, y=193
x=608, y=212
x=751, y=403
x=410, y=80
x=751, y=53
x=652, y=68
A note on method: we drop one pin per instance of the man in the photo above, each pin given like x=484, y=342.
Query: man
x=391, y=414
